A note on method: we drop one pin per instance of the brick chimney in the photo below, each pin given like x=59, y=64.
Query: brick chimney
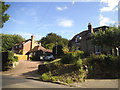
x=32, y=41
x=90, y=28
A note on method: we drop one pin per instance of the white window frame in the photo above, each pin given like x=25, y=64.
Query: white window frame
x=97, y=49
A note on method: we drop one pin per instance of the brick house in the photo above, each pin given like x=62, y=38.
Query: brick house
x=25, y=46
x=29, y=46
x=82, y=41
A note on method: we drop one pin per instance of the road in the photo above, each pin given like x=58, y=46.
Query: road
x=16, y=78
x=9, y=81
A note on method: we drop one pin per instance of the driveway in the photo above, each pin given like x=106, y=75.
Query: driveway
x=25, y=69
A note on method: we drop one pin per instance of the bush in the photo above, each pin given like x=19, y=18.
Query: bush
x=72, y=57
x=79, y=63
x=58, y=51
x=102, y=66
x=16, y=58
x=46, y=77
x=7, y=59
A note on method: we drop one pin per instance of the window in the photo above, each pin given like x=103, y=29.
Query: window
x=97, y=49
x=20, y=46
x=78, y=38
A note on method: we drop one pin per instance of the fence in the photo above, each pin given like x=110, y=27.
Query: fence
x=21, y=57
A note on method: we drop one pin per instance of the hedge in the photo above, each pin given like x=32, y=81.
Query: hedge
x=7, y=59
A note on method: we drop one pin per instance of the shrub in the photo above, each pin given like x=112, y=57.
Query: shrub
x=46, y=77
x=16, y=58
x=72, y=57
x=79, y=63
x=7, y=59
x=102, y=66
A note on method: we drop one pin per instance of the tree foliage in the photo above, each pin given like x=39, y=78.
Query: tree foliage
x=10, y=40
x=51, y=39
x=109, y=37
x=5, y=16
x=58, y=50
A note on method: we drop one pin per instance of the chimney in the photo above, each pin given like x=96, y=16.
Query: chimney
x=90, y=28
x=32, y=41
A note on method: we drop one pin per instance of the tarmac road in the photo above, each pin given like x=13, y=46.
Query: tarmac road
x=9, y=81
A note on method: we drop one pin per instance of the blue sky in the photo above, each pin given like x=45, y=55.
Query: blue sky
x=63, y=18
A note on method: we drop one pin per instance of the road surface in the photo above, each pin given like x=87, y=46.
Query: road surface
x=9, y=81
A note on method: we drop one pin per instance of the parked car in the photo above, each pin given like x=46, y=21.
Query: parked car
x=41, y=57
x=49, y=57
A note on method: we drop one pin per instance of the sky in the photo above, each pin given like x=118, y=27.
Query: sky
x=63, y=18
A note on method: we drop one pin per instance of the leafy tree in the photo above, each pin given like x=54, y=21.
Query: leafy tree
x=10, y=40
x=5, y=17
x=51, y=39
x=109, y=38
x=58, y=50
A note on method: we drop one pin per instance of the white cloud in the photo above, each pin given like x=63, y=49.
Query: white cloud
x=105, y=21
x=111, y=5
x=73, y=2
x=65, y=23
x=62, y=8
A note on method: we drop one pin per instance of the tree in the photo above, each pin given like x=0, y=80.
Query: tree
x=10, y=40
x=51, y=39
x=58, y=50
x=5, y=17
x=109, y=38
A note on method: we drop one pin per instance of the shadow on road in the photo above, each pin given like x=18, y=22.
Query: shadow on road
x=33, y=73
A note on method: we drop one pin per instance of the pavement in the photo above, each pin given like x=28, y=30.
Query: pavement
x=14, y=82
x=28, y=69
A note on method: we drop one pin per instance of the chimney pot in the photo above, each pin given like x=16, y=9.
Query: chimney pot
x=90, y=28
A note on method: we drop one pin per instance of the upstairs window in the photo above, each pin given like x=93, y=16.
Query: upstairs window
x=97, y=49
x=78, y=38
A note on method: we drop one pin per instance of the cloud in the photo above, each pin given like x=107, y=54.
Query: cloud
x=62, y=8
x=111, y=5
x=105, y=21
x=65, y=23
x=73, y=2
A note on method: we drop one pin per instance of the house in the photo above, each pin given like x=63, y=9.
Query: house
x=25, y=46
x=82, y=41
x=29, y=47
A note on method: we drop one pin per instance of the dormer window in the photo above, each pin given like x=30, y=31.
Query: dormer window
x=78, y=38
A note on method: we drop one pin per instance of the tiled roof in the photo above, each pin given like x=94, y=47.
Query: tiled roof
x=36, y=48
x=85, y=32
x=23, y=42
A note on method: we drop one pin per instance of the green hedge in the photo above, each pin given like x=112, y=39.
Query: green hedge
x=7, y=59
x=102, y=66
x=72, y=57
